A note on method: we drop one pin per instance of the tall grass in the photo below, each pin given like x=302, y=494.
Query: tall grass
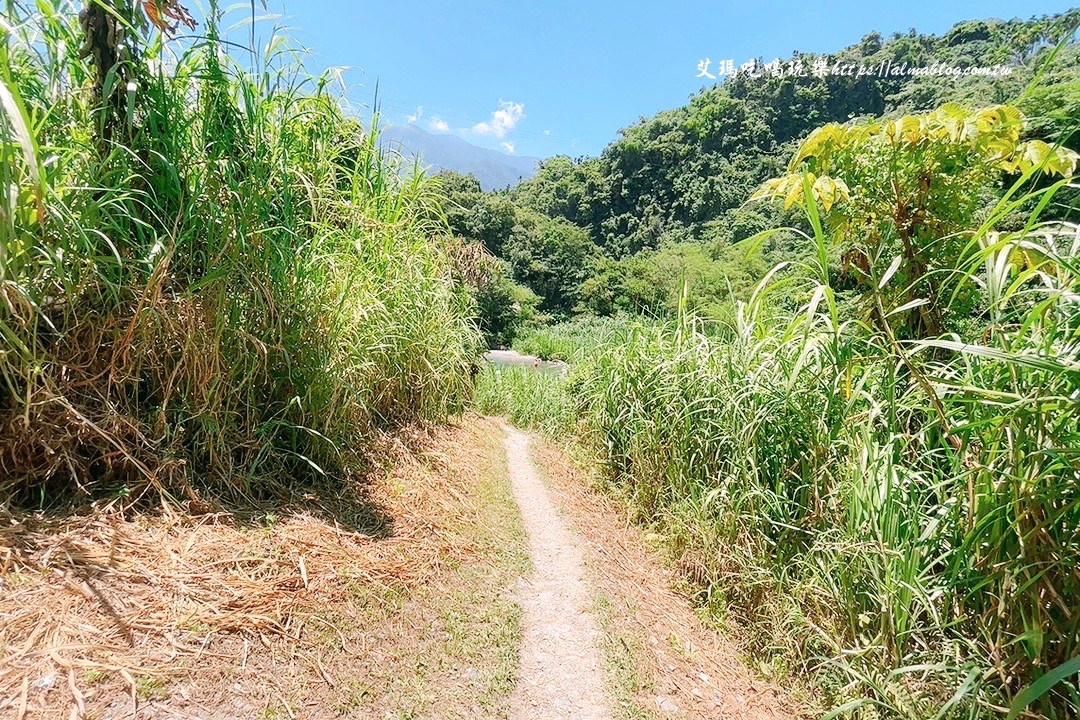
x=899, y=520
x=235, y=286
x=574, y=340
x=528, y=398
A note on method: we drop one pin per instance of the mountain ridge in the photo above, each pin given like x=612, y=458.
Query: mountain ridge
x=493, y=169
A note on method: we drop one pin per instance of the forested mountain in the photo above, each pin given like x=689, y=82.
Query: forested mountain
x=493, y=169
x=680, y=174
x=609, y=233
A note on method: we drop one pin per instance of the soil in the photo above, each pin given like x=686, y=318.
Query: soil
x=393, y=599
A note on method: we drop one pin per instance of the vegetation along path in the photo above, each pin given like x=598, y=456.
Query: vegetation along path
x=480, y=576
x=604, y=634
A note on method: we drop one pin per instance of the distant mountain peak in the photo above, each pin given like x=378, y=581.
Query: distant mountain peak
x=495, y=170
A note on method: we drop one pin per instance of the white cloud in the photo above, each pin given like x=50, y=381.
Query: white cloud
x=437, y=124
x=502, y=120
x=507, y=146
x=547, y=132
x=412, y=119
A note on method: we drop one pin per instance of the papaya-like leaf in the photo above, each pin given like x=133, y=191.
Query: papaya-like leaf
x=160, y=12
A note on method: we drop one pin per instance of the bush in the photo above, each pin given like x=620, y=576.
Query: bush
x=575, y=340
x=901, y=517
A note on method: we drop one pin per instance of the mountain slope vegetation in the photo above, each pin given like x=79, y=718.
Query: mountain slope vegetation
x=683, y=176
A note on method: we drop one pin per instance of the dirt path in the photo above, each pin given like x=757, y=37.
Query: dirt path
x=409, y=595
x=561, y=669
x=662, y=660
x=604, y=634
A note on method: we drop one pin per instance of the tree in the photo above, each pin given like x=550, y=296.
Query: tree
x=474, y=215
x=552, y=258
x=505, y=307
x=109, y=44
x=900, y=194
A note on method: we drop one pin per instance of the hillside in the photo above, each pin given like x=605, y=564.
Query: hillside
x=665, y=201
x=682, y=174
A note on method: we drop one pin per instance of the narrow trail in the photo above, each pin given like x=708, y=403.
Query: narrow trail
x=561, y=673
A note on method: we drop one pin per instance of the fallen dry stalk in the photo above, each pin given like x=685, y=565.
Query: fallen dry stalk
x=110, y=606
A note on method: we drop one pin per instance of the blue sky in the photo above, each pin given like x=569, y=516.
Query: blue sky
x=553, y=77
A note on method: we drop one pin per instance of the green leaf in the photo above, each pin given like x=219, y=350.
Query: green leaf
x=12, y=106
x=1043, y=685
x=910, y=305
x=1036, y=362
x=893, y=267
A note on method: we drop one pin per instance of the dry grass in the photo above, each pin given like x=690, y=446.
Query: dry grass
x=664, y=660
x=292, y=615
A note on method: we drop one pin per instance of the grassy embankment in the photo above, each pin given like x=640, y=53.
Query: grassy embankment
x=219, y=298
x=396, y=601
x=210, y=276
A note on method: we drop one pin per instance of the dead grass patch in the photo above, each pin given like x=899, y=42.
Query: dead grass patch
x=289, y=614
